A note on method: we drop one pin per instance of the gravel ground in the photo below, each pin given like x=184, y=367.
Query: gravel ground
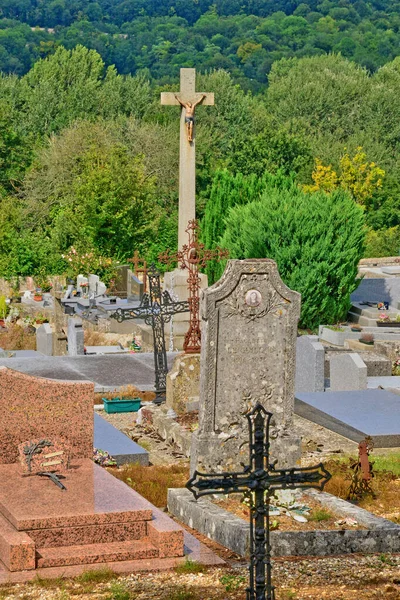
x=336, y=578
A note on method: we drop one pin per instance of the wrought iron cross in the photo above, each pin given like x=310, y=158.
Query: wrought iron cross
x=257, y=481
x=156, y=308
x=193, y=257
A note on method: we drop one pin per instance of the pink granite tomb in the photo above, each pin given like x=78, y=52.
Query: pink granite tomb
x=98, y=519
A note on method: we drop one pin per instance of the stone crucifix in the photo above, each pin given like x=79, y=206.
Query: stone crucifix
x=188, y=99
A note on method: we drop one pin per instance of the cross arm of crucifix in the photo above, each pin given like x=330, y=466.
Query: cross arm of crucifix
x=202, y=484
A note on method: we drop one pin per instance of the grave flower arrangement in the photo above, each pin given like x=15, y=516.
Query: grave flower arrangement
x=383, y=317
x=385, y=320
x=396, y=367
x=125, y=400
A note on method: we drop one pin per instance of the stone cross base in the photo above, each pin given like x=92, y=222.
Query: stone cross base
x=183, y=383
x=176, y=283
x=206, y=447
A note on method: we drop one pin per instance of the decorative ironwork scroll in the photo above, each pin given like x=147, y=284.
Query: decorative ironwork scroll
x=257, y=481
x=193, y=257
x=156, y=309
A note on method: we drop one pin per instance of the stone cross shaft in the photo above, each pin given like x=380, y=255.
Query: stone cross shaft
x=257, y=481
x=187, y=149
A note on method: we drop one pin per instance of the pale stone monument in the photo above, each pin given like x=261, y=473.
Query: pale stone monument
x=248, y=354
x=75, y=337
x=348, y=372
x=188, y=99
x=310, y=364
x=44, y=339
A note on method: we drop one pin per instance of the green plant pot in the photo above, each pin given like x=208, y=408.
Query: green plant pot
x=116, y=405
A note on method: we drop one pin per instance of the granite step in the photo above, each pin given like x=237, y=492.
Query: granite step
x=17, y=549
x=95, y=553
x=88, y=534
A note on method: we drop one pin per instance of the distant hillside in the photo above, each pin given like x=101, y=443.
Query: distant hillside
x=243, y=36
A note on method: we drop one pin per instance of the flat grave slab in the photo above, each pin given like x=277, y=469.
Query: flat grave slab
x=355, y=414
x=93, y=497
x=117, y=444
x=382, y=381
x=105, y=350
x=103, y=370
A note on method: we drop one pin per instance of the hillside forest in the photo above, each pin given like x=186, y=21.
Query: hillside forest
x=298, y=160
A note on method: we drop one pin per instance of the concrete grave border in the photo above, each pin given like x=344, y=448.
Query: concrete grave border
x=233, y=532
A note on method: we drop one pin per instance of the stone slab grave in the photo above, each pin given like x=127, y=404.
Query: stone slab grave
x=310, y=357
x=112, y=370
x=347, y=372
x=117, y=444
x=355, y=414
x=98, y=519
x=377, y=365
x=378, y=534
x=378, y=290
x=249, y=329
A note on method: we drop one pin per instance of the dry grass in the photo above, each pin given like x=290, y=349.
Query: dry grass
x=153, y=482
x=17, y=338
x=144, y=396
x=95, y=338
x=385, y=500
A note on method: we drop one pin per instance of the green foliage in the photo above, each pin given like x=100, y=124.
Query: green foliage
x=320, y=514
x=229, y=190
x=3, y=307
x=316, y=240
x=384, y=242
x=243, y=37
x=232, y=582
x=189, y=566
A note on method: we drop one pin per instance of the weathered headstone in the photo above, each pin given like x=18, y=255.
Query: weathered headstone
x=44, y=339
x=347, y=372
x=310, y=363
x=249, y=329
x=75, y=337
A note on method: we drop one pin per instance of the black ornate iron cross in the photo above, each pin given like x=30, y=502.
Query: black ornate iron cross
x=257, y=481
x=156, y=308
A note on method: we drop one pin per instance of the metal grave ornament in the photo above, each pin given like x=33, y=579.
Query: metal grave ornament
x=193, y=256
x=258, y=481
x=156, y=309
x=44, y=458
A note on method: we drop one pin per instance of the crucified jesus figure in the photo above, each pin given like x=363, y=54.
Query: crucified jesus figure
x=189, y=114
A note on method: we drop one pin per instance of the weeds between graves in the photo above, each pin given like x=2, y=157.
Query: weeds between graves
x=17, y=338
x=153, y=482
x=385, y=484
x=189, y=566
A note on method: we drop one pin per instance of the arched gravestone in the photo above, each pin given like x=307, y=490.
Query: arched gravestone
x=249, y=329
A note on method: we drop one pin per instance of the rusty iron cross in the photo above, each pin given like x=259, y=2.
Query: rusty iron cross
x=193, y=257
x=136, y=260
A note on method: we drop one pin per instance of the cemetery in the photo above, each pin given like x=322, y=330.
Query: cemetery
x=163, y=436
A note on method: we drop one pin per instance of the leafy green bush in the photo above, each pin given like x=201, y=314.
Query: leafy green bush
x=316, y=239
x=384, y=242
x=230, y=190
